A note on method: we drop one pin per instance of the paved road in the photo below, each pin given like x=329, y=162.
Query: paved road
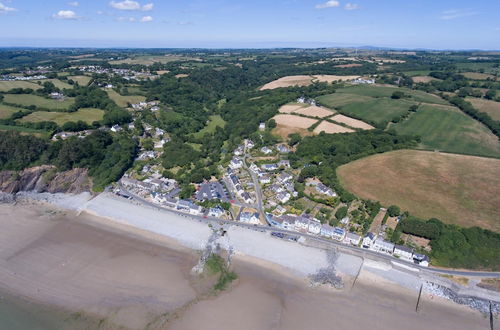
x=344, y=247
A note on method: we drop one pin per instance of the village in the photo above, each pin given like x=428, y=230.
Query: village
x=258, y=187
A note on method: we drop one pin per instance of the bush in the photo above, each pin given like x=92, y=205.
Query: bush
x=393, y=211
x=341, y=212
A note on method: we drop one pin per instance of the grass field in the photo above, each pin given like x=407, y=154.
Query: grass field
x=81, y=80
x=490, y=107
x=88, y=115
x=215, y=121
x=458, y=189
x=378, y=110
x=477, y=75
x=23, y=130
x=122, y=100
x=385, y=91
x=58, y=83
x=6, y=111
x=448, y=129
x=30, y=99
x=486, y=67
x=5, y=86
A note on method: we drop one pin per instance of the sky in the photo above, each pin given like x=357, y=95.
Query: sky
x=431, y=24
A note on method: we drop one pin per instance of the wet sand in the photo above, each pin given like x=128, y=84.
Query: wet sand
x=127, y=278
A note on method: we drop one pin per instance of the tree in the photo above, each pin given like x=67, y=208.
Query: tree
x=187, y=191
x=393, y=211
x=397, y=95
x=294, y=139
x=490, y=95
x=341, y=212
x=148, y=144
x=271, y=124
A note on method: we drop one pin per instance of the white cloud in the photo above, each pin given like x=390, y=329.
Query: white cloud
x=328, y=4
x=5, y=9
x=456, y=13
x=74, y=3
x=147, y=7
x=126, y=19
x=147, y=19
x=65, y=14
x=125, y=5
x=131, y=5
x=351, y=6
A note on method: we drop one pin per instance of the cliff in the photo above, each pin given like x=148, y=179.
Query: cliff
x=45, y=178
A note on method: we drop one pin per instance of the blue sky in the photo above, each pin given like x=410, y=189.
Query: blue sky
x=443, y=24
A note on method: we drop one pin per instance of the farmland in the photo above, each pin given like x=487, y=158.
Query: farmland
x=314, y=111
x=490, y=107
x=448, y=129
x=123, y=100
x=384, y=91
x=6, y=111
x=303, y=80
x=8, y=85
x=151, y=59
x=459, y=189
x=58, y=83
x=351, y=122
x=29, y=99
x=331, y=128
x=88, y=115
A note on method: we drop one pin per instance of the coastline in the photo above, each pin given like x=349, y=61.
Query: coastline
x=256, y=255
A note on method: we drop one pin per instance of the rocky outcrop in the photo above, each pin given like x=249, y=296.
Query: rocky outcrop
x=45, y=179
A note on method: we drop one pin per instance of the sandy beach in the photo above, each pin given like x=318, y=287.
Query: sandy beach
x=135, y=278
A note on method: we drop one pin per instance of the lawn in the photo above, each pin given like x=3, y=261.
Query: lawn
x=30, y=99
x=88, y=115
x=459, y=189
x=122, y=100
x=6, y=111
x=337, y=100
x=5, y=86
x=490, y=107
x=448, y=129
x=214, y=121
x=81, y=80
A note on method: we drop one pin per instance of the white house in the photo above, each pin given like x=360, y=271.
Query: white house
x=265, y=179
x=116, y=128
x=216, y=212
x=249, y=144
x=403, y=252
x=382, y=246
x=280, y=210
x=262, y=126
x=269, y=167
x=301, y=223
x=266, y=150
x=314, y=227
x=236, y=163
x=284, y=163
x=239, y=151
x=368, y=240
x=249, y=217
x=338, y=233
x=327, y=231
x=284, y=177
x=283, y=197
x=282, y=149
x=421, y=259
x=352, y=238
x=322, y=189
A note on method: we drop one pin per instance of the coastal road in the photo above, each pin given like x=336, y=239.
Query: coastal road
x=354, y=250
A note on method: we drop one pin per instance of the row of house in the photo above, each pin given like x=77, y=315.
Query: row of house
x=281, y=148
x=378, y=244
x=312, y=226
x=235, y=182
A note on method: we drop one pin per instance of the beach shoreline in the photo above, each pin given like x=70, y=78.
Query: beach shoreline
x=255, y=260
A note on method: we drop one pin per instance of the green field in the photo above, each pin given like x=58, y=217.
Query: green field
x=476, y=66
x=58, y=83
x=385, y=91
x=417, y=73
x=377, y=110
x=122, y=100
x=81, y=80
x=5, y=86
x=451, y=131
x=30, y=99
x=215, y=121
x=6, y=111
x=88, y=115
x=337, y=100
